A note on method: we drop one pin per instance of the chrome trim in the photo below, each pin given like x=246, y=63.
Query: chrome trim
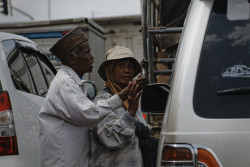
x=209, y=150
x=194, y=151
x=177, y=162
x=201, y=163
x=187, y=146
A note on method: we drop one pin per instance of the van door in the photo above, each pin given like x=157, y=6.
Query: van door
x=207, y=118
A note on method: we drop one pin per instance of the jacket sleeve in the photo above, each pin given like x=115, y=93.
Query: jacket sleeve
x=114, y=131
x=76, y=108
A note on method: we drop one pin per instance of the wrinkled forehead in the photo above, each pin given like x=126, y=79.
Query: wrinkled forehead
x=125, y=60
x=84, y=47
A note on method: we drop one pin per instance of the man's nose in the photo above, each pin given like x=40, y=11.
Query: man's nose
x=92, y=57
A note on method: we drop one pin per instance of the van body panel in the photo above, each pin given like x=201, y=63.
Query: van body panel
x=228, y=138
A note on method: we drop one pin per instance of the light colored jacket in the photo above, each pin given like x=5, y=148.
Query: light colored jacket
x=113, y=140
x=64, y=119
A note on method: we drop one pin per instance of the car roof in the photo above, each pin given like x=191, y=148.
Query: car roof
x=7, y=36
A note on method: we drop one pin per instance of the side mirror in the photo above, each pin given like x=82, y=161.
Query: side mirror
x=91, y=89
x=154, y=98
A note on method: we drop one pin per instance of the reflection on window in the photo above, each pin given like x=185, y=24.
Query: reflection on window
x=36, y=73
x=18, y=70
x=48, y=71
x=30, y=70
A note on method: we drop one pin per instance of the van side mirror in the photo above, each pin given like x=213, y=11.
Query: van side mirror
x=154, y=98
x=91, y=89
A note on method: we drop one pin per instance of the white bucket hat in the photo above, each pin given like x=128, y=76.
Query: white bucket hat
x=116, y=53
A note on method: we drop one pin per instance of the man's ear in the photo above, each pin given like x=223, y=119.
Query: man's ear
x=71, y=59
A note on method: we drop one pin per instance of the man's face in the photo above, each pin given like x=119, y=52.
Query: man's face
x=84, y=59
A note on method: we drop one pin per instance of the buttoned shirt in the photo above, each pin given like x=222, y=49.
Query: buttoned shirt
x=64, y=119
x=113, y=140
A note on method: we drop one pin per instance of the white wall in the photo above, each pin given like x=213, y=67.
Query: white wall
x=123, y=31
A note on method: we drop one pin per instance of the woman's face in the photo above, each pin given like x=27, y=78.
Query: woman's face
x=124, y=71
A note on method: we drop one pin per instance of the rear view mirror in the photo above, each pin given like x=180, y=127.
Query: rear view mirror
x=90, y=88
x=154, y=98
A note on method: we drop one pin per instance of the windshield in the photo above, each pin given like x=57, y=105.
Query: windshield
x=223, y=78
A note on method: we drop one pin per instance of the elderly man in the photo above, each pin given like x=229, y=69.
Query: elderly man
x=67, y=113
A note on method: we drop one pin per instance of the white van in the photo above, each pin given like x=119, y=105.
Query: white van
x=25, y=76
x=207, y=116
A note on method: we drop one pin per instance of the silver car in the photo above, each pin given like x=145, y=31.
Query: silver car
x=25, y=76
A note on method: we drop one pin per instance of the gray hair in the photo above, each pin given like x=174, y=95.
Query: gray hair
x=73, y=52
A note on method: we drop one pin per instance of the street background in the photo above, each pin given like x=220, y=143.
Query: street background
x=26, y=10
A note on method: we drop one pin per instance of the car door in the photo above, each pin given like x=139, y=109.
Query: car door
x=27, y=81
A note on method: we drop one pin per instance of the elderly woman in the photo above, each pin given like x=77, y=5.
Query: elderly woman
x=113, y=141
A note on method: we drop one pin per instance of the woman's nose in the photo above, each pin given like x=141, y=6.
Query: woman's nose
x=126, y=68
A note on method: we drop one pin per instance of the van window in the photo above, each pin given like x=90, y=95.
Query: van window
x=222, y=88
x=31, y=72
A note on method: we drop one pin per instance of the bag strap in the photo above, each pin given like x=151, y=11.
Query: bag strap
x=108, y=90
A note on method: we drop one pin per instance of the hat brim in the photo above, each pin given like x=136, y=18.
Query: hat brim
x=101, y=70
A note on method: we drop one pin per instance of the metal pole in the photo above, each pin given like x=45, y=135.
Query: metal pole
x=150, y=59
x=49, y=9
x=11, y=13
x=166, y=30
x=148, y=13
x=144, y=28
x=22, y=12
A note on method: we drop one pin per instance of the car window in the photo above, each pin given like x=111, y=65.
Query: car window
x=49, y=70
x=18, y=68
x=36, y=72
x=222, y=88
x=1, y=88
x=31, y=72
